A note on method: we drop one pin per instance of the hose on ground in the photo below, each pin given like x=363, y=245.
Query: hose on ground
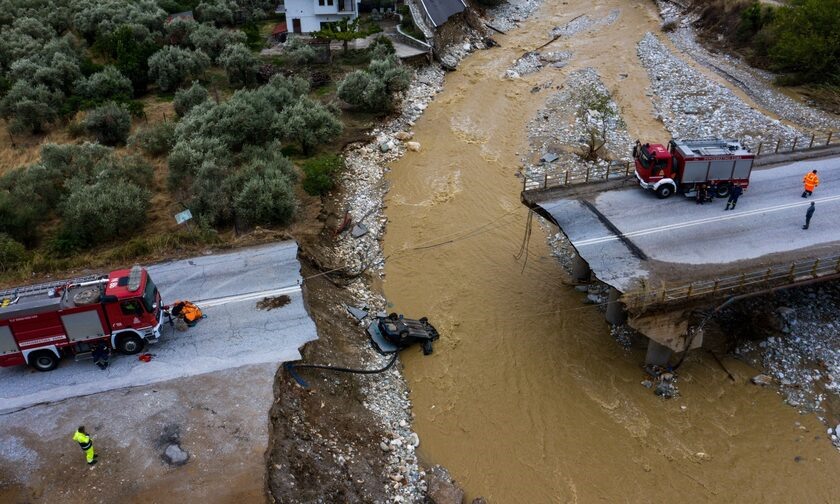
x=291, y=367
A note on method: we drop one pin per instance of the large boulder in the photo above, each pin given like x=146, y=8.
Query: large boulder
x=441, y=488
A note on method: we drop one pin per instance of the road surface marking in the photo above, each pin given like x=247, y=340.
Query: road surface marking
x=708, y=220
x=247, y=296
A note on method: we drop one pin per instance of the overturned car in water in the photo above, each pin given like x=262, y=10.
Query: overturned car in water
x=392, y=333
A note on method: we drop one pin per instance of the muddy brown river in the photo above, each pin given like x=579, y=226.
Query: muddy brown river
x=527, y=398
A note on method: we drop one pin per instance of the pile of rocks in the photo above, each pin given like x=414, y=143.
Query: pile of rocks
x=803, y=357
x=756, y=83
x=562, y=128
x=508, y=15
x=692, y=106
x=584, y=23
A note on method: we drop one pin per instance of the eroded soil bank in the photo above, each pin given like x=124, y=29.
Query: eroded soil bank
x=527, y=398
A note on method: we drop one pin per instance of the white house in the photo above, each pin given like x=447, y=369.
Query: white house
x=306, y=16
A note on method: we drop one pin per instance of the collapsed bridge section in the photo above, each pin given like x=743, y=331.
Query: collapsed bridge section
x=663, y=259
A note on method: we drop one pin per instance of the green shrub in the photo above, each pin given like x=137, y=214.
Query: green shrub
x=806, y=45
x=320, y=174
x=214, y=11
x=156, y=140
x=95, y=213
x=186, y=99
x=109, y=124
x=12, y=253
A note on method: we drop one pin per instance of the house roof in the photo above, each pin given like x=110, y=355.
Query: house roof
x=180, y=15
x=441, y=10
x=280, y=28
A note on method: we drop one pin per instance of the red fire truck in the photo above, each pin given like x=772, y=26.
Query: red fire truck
x=687, y=164
x=42, y=323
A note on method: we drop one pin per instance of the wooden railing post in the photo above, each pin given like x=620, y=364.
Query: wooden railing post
x=690, y=288
x=828, y=140
x=587, y=174
x=795, y=139
x=743, y=279
x=627, y=170
x=545, y=180
x=759, y=148
x=814, y=269
x=811, y=144
x=567, y=178
x=778, y=144
x=792, y=271
x=767, y=275
x=715, y=288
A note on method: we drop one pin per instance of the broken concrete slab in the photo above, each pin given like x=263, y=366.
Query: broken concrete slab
x=358, y=231
x=358, y=313
x=175, y=455
x=549, y=157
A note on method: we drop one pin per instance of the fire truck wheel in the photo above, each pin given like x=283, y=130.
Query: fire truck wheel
x=664, y=191
x=43, y=360
x=130, y=344
x=722, y=190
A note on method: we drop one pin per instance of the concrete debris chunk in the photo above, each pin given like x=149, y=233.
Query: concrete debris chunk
x=358, y=231
x=761, y=379
x=549, y=157
x=175, y=455
x=358, y=313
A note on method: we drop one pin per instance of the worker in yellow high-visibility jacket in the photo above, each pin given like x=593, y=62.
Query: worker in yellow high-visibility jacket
x=86, y=443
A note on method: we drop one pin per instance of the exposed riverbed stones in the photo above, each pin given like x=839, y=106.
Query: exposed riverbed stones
x=692, y=106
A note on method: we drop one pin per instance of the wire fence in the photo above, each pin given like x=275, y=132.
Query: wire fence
x=617, y=169
x=774, y=276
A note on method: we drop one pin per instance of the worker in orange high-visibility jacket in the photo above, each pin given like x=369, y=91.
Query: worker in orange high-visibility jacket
x=86, y=443
x=811, y=182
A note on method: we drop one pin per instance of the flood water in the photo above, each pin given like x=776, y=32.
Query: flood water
x=527, y=398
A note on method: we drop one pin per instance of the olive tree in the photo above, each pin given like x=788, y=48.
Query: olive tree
x=214, y=11
x=178, y=31
x=109, y=123
x=309, y=123
x=187, y=98
x=107, y=84
x=172, y=65
x=30, y=107
x=212, y=41
x=12, y=253
x=97, y=212
x=266, y=198
x=239, y=64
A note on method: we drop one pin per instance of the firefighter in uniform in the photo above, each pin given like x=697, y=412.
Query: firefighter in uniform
x=811, y=181
x=86, y=443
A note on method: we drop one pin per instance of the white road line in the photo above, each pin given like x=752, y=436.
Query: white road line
x=247, y=297
x=697, y=222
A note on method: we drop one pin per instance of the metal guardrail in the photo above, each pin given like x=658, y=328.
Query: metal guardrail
x=625, y=168
x=548, y=180
x=780, y=146
x=774, y=276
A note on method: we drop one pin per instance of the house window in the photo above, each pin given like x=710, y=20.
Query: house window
x=330, y=2
x=321, y=3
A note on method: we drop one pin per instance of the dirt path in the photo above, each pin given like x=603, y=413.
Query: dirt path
x=527, y=399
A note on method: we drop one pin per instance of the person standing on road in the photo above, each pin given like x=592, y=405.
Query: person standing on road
x=86, y=443
x=808, y=215
x=100, y=356
x=734, y=193
x=811, y=182
x=701, y=194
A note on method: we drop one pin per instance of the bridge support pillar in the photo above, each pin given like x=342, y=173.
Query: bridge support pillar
x=615, y=310
x=580, y=270
x=657, y=354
